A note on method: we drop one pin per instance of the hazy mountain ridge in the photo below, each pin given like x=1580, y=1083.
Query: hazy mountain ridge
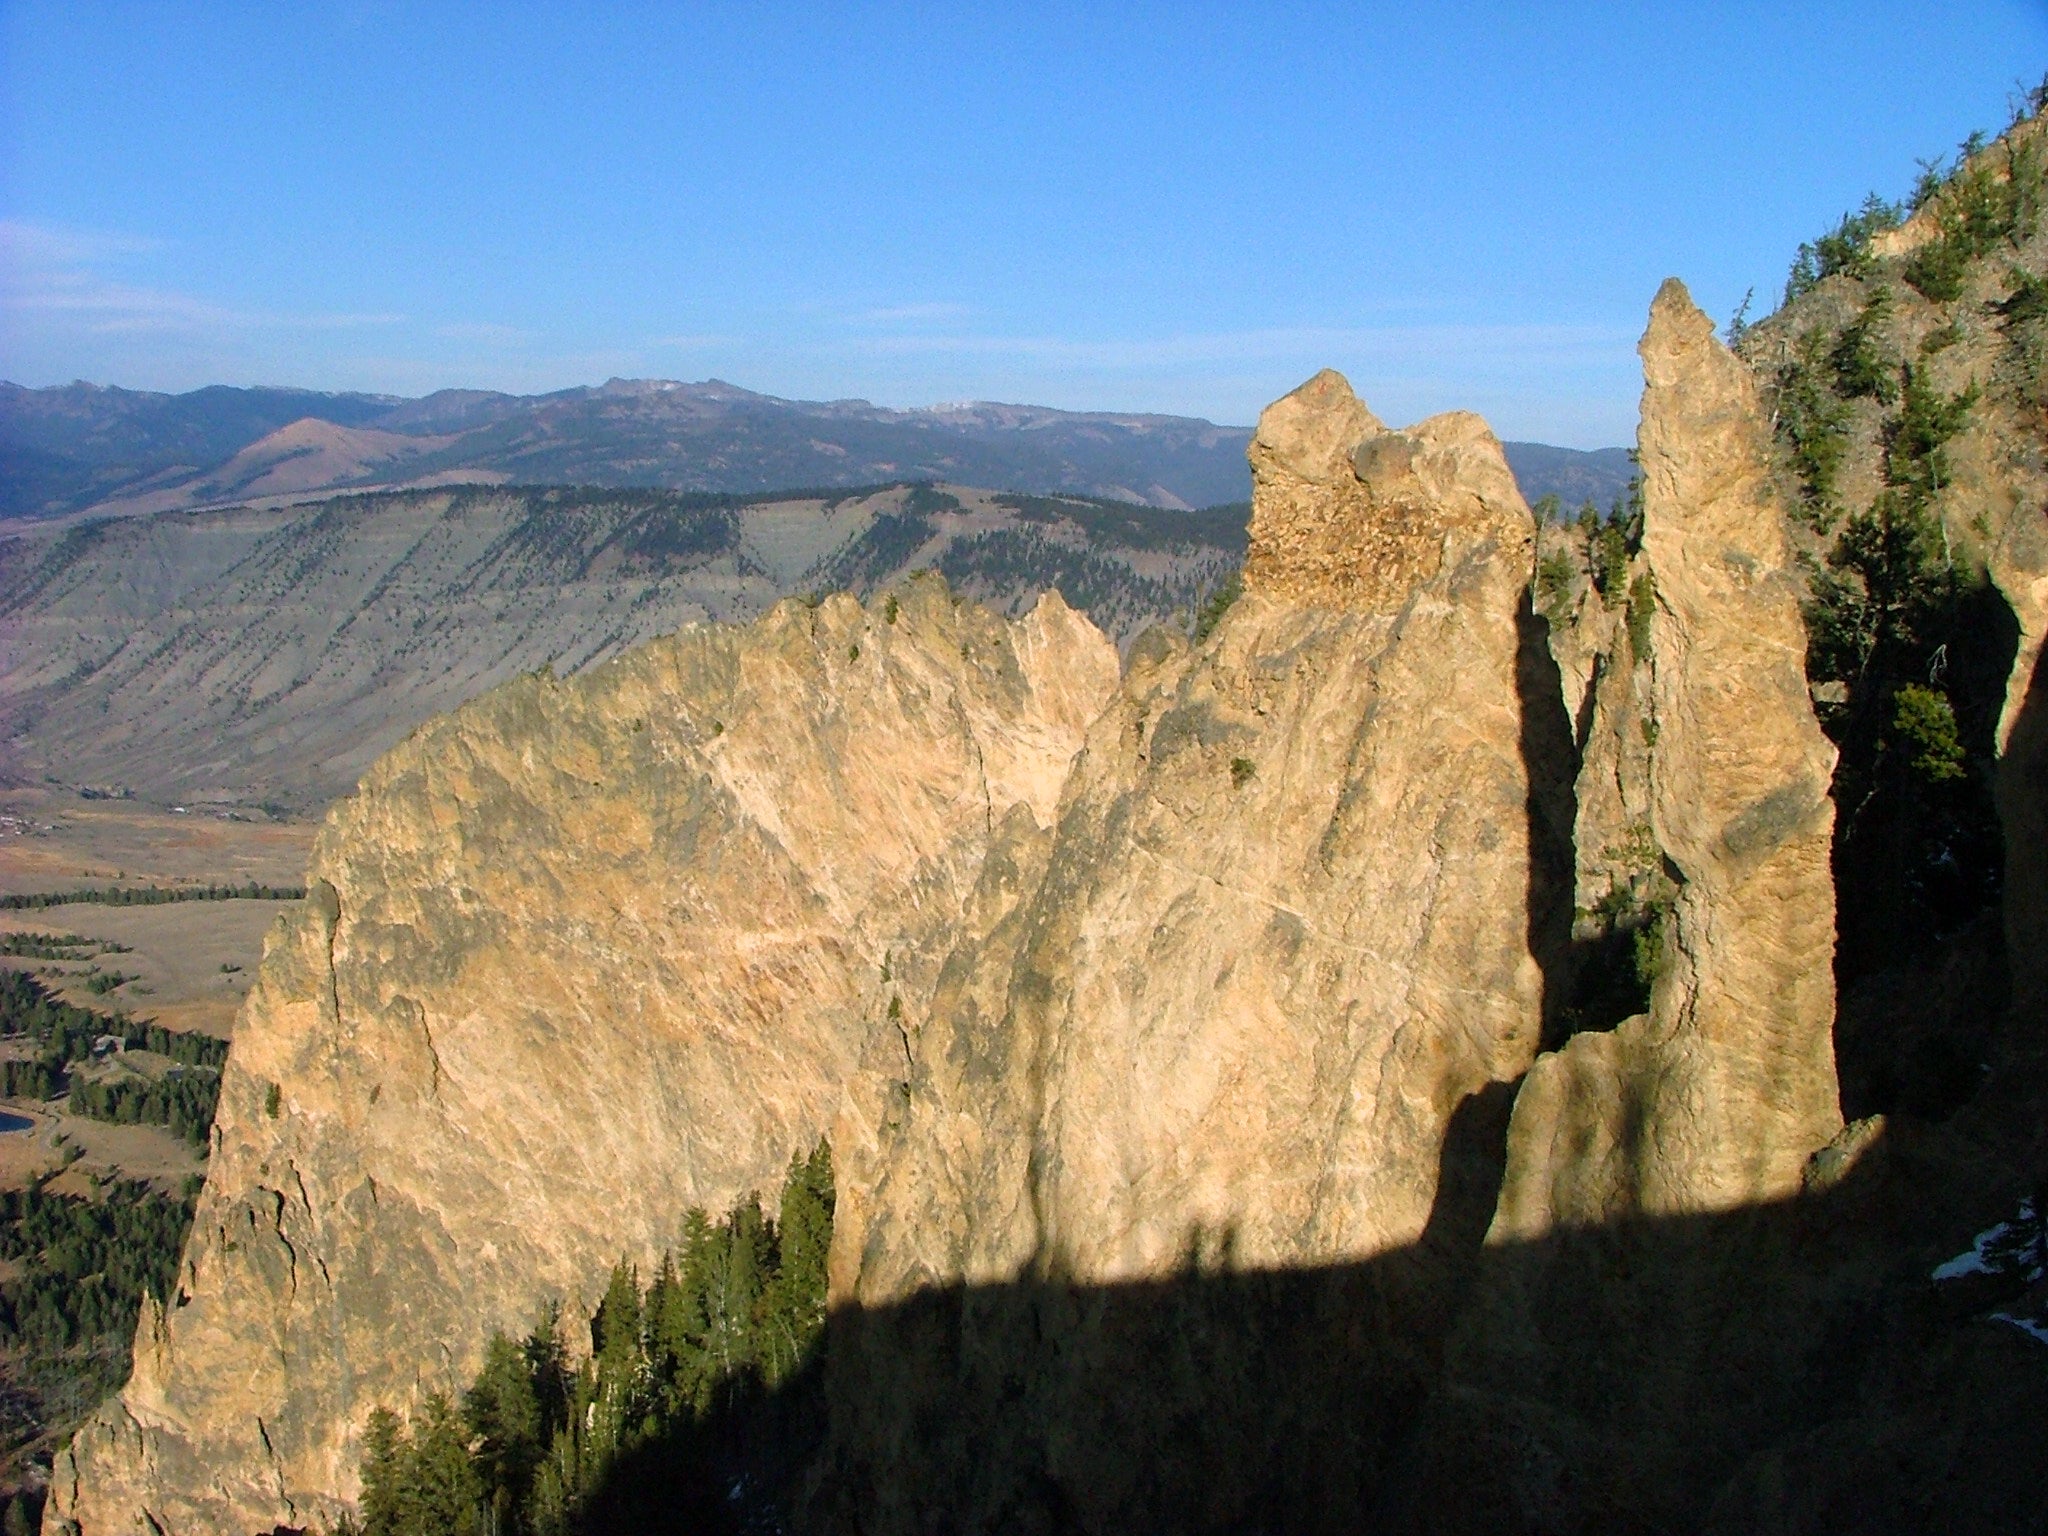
x=80, y=446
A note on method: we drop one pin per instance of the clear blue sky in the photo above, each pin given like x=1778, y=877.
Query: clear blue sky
x=1174, y=207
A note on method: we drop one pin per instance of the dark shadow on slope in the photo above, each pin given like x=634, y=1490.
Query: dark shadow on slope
x=1550, y=759
x=1787, y=1368
x=2023, y=813
x=1920, y=870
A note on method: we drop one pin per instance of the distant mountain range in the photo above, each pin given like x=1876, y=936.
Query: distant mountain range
x=90, y=448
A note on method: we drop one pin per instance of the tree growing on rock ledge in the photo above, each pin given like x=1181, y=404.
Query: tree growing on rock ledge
x=538, y=1447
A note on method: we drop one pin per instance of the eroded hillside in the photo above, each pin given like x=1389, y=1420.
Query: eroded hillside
x=255, y=656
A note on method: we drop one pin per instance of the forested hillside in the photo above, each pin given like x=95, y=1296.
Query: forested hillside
x=1908, y=371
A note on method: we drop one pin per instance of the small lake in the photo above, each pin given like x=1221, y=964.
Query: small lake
x=12, y=1122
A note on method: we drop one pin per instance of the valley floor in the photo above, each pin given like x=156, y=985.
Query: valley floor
x=79, y=1190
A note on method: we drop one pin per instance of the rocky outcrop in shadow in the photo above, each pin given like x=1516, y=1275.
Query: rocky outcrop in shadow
x=1789, y=1367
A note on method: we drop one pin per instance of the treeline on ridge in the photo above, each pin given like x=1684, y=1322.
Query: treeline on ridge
x=150, y=895
x=1909, y=644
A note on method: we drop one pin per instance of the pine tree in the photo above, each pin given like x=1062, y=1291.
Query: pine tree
x=504, y=1414
x=740, y=1280
x=616, y=1369
x=688, y=1328
x=794, y=1314
x=547, y=1365
x=446, y=1496
x=384, y=1455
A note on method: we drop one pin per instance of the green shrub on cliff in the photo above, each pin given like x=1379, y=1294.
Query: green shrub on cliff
x=1814, y=421
x=1989, y=200
x=1864, y=368
x=1843, y=249
x=1556, y=574
x=1925, y=723
x=1910, y=648
x=1216, y=604
x=1915, y=440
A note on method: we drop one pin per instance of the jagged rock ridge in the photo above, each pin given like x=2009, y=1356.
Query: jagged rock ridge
x=577, y=957
x=1718, y=1096
x=1148, y=1051
x=1200, y=1162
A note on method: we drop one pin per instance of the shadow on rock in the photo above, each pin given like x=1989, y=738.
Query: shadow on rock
x=1786, y=1368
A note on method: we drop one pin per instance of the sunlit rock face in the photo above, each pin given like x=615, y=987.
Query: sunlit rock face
x=1644, y=1298
x=576, y=958
x=1720, y=1094
x=1180, y=1034
x=1221, y=1015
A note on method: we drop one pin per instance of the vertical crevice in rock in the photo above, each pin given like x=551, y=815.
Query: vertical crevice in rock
x=1720, y=1093
x=2023, y=810
x=1647, y=1164
x=1550, y=758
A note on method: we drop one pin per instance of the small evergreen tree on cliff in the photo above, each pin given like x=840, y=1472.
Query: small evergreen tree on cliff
x=422, y=1484
x=540, y=1450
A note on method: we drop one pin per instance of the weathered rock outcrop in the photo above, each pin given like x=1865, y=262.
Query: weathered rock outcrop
x=1221, y=1018
x=577, y=957
x=1949, y=302
x=1179, y=1037
x=1720, y=1094
x=1628, y=1262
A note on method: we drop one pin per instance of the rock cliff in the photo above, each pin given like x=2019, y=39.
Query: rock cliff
x=1278, y=936
x=577, y=957
x=1224, y=1012
x=1717, y=1097
x=1219, y=1144
x=1906, y=378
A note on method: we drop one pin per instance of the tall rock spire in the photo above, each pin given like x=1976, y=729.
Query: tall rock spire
x=1716, y=1097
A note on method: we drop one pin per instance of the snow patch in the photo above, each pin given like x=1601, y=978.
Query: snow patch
x=2033, y=1326
x=2016, y=1249
x=2010, y=1247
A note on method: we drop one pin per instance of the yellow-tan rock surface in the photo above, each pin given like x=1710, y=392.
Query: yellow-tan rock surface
x=1718, y=1096
x=1277, y=937
x=1222, y=1015
x=575, y=958
x=1178, y=1033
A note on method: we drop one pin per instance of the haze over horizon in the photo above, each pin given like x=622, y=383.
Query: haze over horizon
x=1458, y=207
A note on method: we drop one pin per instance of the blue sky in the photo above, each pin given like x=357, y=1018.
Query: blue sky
x=1180, y=207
